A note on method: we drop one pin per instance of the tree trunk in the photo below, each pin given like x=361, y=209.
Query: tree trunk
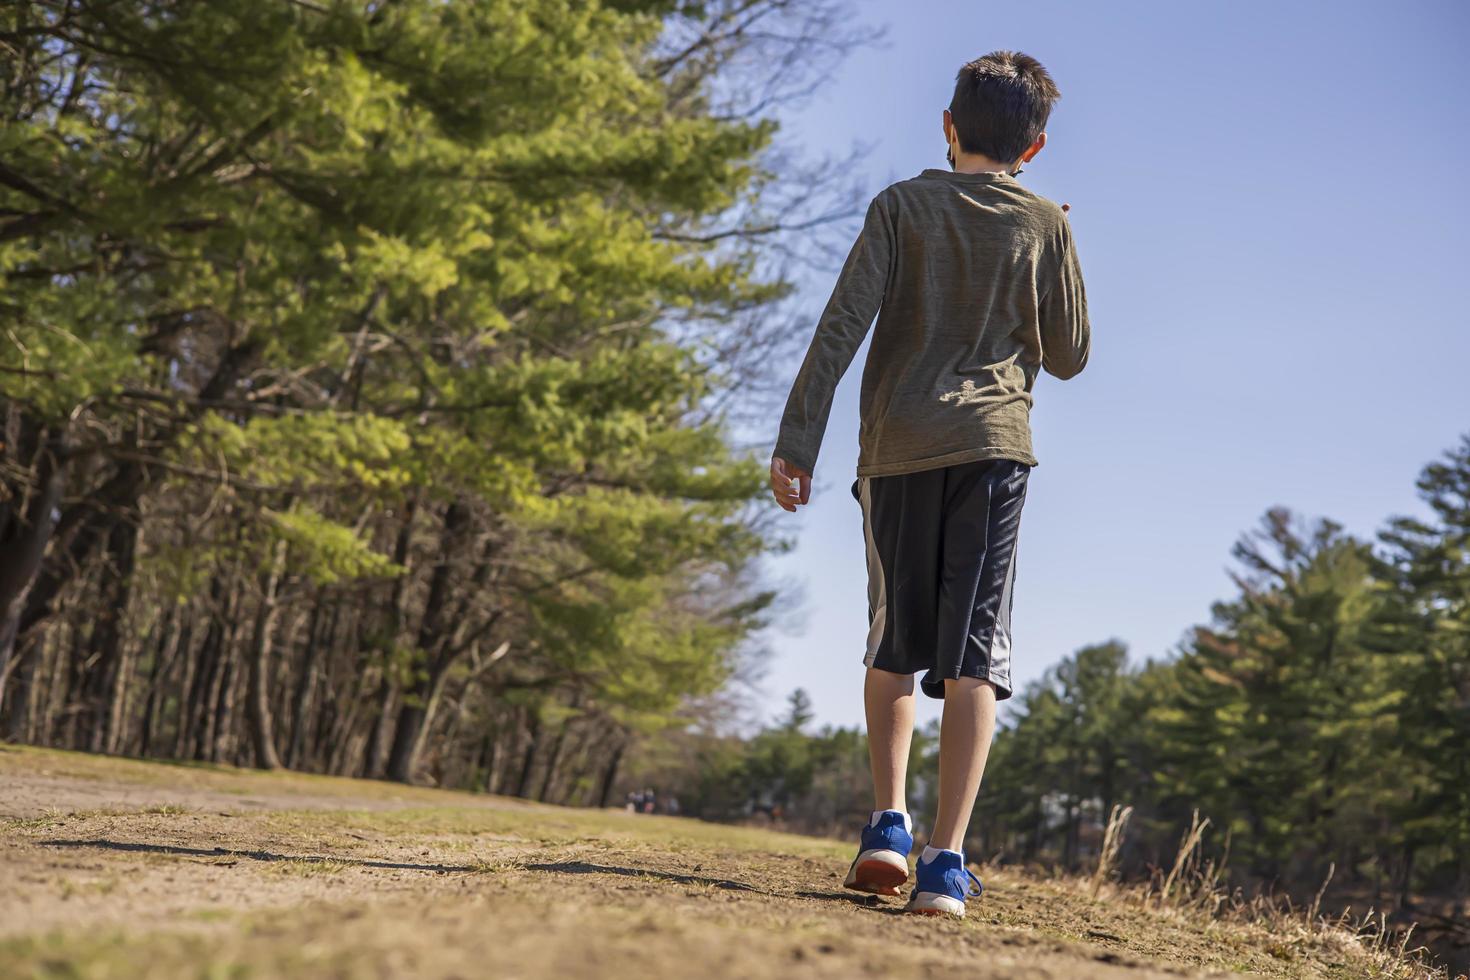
x=610, y=773
x=343, y=745
x=258, y=705
x=23, y=539
x=414, y=718
x=373, y=762
x=222, y=718
x=422, y=696
x=1406, y=881
x=78, y=532
x=48, y=680
x=486, y=763
x=577, y=763
x=554, y=759
x=104, y=687
x=316, y=641
x=533, y=724
x=197, y=710
x=69, y=669
x=1069, y=836
x=25, y=716
x=1462, y=889
x=173, y=640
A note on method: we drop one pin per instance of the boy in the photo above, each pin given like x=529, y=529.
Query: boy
x=976, y=287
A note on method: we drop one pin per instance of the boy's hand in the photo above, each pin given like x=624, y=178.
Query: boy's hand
x=788, y=496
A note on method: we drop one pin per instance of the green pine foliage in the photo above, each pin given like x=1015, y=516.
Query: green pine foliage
x=373, y=354
x=1426, y=636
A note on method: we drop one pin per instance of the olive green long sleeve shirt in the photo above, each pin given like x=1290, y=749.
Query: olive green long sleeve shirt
x=976, y=286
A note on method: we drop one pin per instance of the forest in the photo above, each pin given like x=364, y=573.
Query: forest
x=371, y=382
x=367, y=375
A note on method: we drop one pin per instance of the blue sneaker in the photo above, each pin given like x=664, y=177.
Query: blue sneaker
x=882, y=864
x=942, y=885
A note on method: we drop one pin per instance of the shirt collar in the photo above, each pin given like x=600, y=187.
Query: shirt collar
x=983, y=177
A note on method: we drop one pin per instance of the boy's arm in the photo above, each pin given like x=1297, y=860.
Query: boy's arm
x=1066, y=335
x=844, y=322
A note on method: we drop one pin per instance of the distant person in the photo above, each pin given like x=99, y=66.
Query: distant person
x=650, y=800
x=977, y=289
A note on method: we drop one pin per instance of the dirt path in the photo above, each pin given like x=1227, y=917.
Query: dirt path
x=119, y=868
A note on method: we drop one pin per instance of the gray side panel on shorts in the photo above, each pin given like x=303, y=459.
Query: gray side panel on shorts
x=877, y=592
x=1000, y=641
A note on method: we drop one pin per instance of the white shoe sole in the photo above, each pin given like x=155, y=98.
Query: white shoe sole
x=932, y=903
x=879, y=872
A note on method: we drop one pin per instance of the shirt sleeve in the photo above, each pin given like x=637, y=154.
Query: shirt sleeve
x=1066, y=334
x=841, y=328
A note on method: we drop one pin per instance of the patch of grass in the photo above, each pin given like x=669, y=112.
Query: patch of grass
x=101, y=811
x=168, y=810
x=51, y=818
x=162, y=956
x=75, y=887
x=55, y=817
x=309, y=867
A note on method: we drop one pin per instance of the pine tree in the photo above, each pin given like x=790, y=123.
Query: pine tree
x=1428, y=568
x=1272, y=722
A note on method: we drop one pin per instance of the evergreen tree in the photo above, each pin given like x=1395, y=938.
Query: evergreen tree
x=1428, y=636
x=371, y=359
x=1273, y=719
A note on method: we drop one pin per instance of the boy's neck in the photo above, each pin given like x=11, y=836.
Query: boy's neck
x=979, y=163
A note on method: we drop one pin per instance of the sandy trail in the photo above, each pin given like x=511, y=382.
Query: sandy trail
x=119, y=868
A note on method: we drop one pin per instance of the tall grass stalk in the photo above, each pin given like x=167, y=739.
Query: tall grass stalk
x=1112, y=845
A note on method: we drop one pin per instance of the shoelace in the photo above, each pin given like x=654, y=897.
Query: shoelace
x=975, y=883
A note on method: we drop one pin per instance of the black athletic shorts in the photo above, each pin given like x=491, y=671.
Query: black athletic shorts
x=941, y=548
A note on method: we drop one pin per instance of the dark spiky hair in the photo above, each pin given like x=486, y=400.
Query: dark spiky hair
x=1001, y=103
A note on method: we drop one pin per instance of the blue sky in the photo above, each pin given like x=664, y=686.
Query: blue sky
x=1269, y=209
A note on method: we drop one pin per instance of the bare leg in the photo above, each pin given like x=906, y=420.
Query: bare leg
x=889, y=702
x=964, y=744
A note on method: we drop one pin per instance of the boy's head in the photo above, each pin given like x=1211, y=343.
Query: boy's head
x=1000, y=106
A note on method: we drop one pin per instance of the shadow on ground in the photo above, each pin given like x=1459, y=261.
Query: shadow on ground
x=583, y=868
x=112, y=845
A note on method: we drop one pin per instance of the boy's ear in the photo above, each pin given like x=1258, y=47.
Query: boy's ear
x=1034, y=148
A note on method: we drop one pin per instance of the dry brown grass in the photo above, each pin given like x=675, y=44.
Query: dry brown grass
x=1194, y=889
x=1112, y=846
